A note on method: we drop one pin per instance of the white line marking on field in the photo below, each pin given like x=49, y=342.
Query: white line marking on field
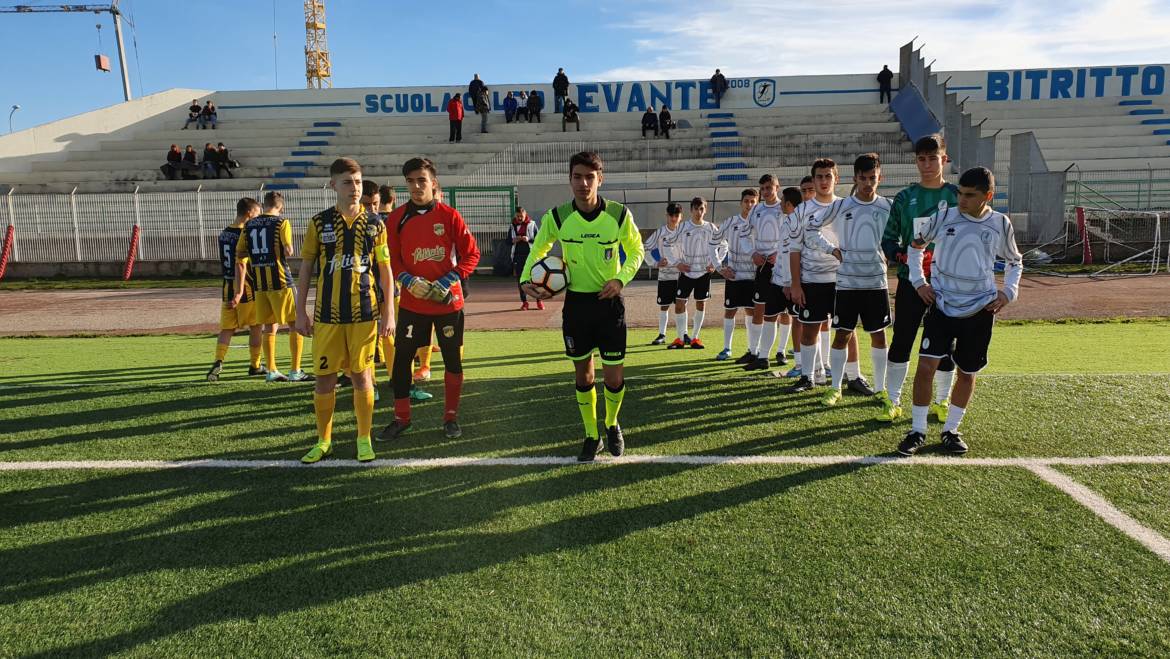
x=542, y=461
x=1101, y=507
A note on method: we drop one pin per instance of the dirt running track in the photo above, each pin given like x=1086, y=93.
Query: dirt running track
x=494, y=305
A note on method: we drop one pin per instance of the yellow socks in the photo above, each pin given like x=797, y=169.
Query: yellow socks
x=613, y=404
x=424, y=357
x=270, y=352
x=254, y=355
x=363, y=410
x=587, y=404
x=296, y=346
x=221, y=351
x=323, y=405
x=388, y=355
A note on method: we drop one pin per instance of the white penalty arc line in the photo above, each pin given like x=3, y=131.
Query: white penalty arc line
x=553, y=461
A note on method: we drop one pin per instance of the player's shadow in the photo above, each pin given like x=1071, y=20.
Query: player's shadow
x=318, y=538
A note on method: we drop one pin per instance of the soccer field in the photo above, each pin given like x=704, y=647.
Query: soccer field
x=742, y=521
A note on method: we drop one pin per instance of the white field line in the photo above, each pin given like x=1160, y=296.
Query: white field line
x=693, y=460
x=1101, y=507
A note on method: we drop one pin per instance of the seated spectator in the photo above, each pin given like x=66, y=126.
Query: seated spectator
x=570, y=116
x=210, y=161
x=535, y=105
x=649, y=122
x=510, y=105
x=208, y=115
x=190, y=164
x=173, y=164
x=193, y=114
x=665, y=123
x=224, y=162
x=522, y=106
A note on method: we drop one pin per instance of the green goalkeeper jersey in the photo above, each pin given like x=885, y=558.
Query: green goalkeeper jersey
x=592, y=244
x=912, y=202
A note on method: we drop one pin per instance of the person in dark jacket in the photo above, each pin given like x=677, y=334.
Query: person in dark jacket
x=885, y=79
x=570, y=116
x=718, y=87
x=649, y=122
x=174, y=163
x=475, y=87
x=665, y=123
x=560, y=89
x=194, y=112
x=535, y=105
x=224, y=161
x=190, y=164
x=210, y=160
x=455, y=115
x=483, y=105
x=522, y=106
x=510, y=107
x=209, y=115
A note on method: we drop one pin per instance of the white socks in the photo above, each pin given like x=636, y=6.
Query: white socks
x=878, y=355
x=942, y=385
x=824, y=352
x=808, y=360
x=852, y=369
x=663, y=319
x=767, y=338
x=837, y=363
x=918, y=418
x=895, y=379
x=954, y=418
x=754, y=333
x=728, y=332
x=785, y=331
x=680, y=323
x=700, y=314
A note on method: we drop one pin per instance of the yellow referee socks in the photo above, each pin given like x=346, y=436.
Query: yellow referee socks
x=296, y=347
x=221, y=351
x=363, y=410
x=323, y=405
x=270, y=351
x=613, y=404
x=587, y=404
x=254, y=356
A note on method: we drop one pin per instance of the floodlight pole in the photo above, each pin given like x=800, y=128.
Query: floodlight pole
x=121, y=50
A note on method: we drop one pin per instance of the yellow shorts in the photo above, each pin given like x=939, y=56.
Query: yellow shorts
x=277, y=306
x=348, y=346
x=243, y=316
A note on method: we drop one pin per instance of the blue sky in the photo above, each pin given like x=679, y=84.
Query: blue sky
x=227, y=44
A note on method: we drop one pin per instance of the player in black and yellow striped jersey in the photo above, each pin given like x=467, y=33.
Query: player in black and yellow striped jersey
x=344, y=244
x=263, y=250
x=237, y=310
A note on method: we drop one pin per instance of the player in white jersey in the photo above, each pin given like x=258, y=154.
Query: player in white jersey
x=739, y=272
x=765, y=221
x=963, y=299
x=696, y=252
x=862, y=290
x=776, y=298
x=814, y=275
x=667, y=273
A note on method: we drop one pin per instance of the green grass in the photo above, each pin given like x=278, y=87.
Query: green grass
x=611, y=559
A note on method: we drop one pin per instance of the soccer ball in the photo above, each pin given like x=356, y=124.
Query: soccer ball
x=550, y=274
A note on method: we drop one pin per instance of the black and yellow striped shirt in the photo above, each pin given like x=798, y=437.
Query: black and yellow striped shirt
x=345, y=251
x=228, y=239
x=262, y=244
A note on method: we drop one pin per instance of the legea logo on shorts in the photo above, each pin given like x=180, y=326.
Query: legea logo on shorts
x=764, y=92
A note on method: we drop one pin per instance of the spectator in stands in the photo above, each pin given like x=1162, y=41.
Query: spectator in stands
x=174, y=163
x=193, y=114
x=718, y=87
x=665, y=123
x=475, y=87
x=210, y=161
x=510, y=107
x=455, y=114
x=885, y=79
x=208, y=115
x=483, y=106
x=190, y=164
x=535, y=105
x=522, y=106
x=570, y=116
x=649, y=122
x=560, y=89
x=224, y=161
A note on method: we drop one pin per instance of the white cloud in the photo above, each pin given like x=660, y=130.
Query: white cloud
x=689, y=38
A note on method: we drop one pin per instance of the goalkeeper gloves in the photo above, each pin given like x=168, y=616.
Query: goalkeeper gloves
x=440, y=290
x=417, y=286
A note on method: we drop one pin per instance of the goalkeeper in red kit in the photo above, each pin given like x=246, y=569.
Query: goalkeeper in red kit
x=431, y=249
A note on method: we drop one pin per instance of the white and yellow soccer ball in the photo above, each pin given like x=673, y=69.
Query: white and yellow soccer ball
x=550, y=274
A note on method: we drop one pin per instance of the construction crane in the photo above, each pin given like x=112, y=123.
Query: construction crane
x=318, y=71
x=111, y=9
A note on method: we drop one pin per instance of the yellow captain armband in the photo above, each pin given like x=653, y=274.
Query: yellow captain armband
x=382, y=254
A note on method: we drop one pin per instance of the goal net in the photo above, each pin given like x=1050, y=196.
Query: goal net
x=1106, y=242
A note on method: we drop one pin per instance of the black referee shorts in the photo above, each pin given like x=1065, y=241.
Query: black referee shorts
x=589, y=323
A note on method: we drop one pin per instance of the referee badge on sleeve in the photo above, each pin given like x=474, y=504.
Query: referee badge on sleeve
x=608, y=253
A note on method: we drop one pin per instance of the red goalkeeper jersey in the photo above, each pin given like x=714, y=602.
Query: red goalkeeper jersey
x=430, y=242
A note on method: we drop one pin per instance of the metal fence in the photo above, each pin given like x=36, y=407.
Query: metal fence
x=184, y=226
